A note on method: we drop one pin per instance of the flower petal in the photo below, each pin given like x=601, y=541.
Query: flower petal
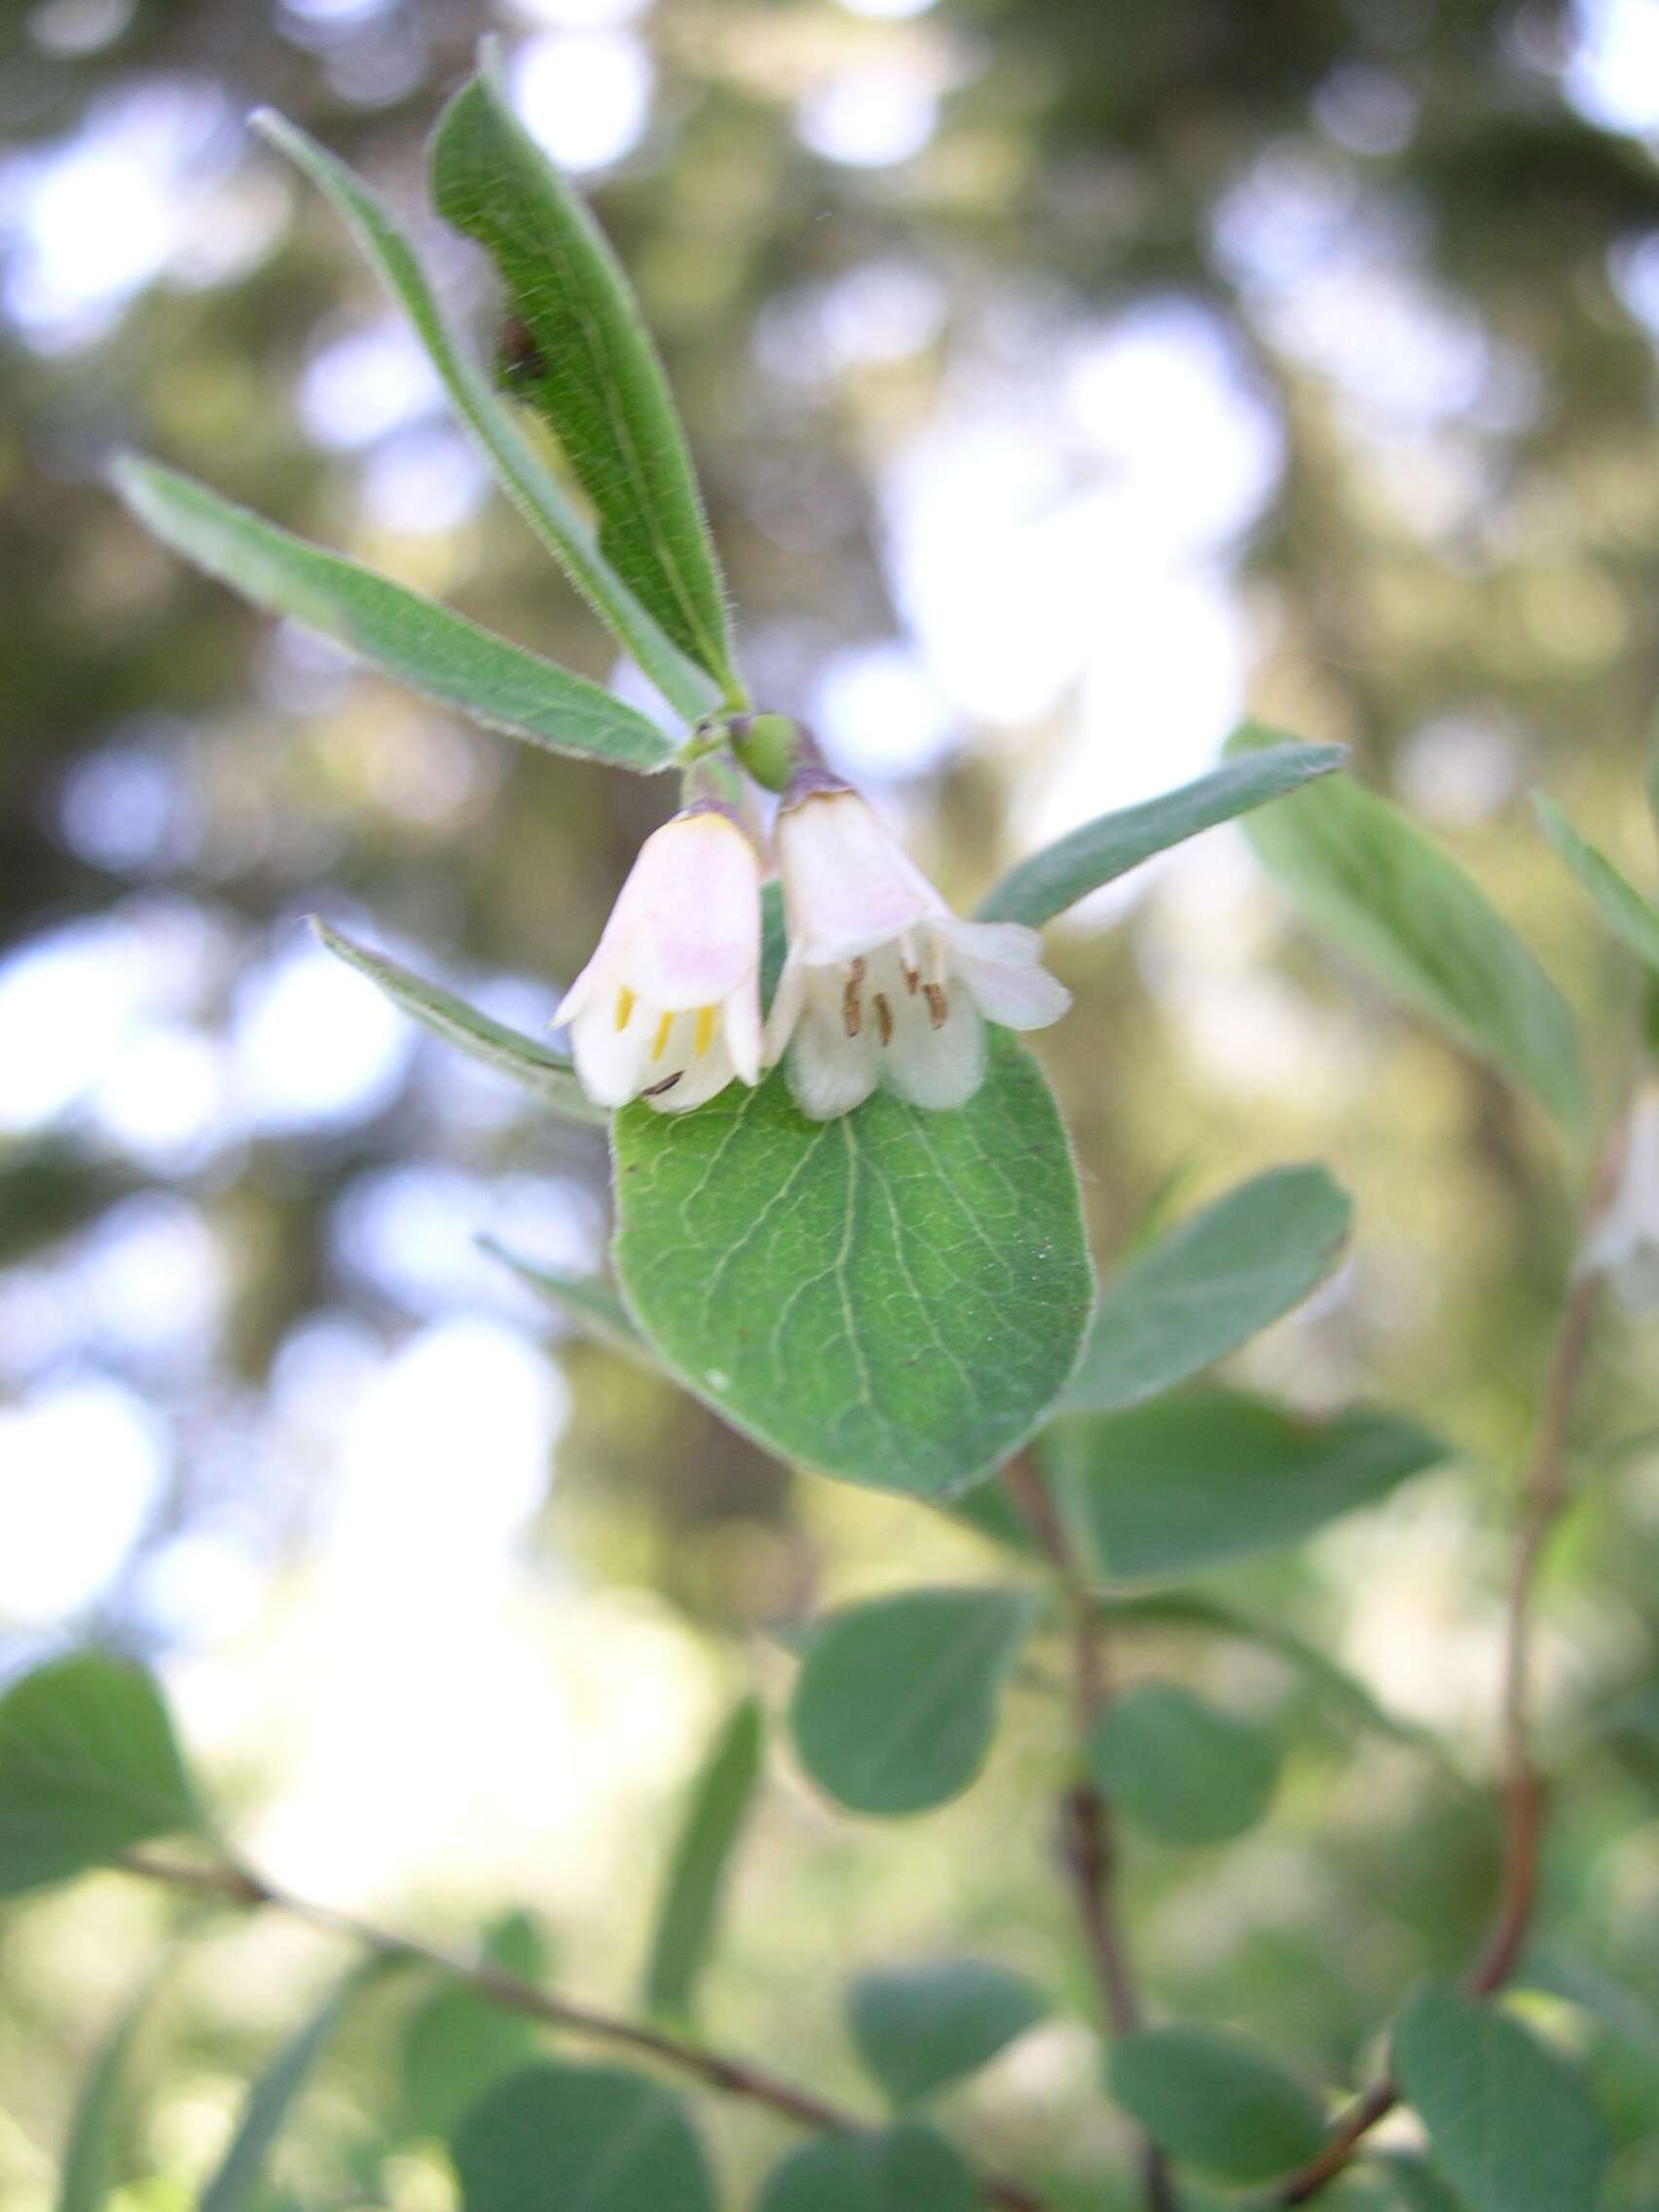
x=938, y=1067
x=829, y=1072
x=998, y=961
x=848, y=883
x=613, y=1062
x=695, y=1082
x=686, y=924
x=786, y=1002
x=741, y=1030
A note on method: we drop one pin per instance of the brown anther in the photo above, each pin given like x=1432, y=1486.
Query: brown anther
x=852, y=1014
x=884, y=1017
x=912, y=979
x=938, y=1006
x=656, y=1089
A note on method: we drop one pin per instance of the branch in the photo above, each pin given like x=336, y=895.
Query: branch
x=1088, y=1835
x=733, y=2076
x=1543, y=1496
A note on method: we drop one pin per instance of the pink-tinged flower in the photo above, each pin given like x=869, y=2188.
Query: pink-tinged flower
x=882, y=981
x=668, y=1009
x=1624, y=1244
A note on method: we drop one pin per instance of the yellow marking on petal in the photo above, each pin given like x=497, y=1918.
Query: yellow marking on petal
x=659, y=1042
x=704, y=1035
x=624, y=1007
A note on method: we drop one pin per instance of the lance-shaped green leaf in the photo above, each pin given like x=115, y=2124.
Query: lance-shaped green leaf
x=1102, y=850
x=240, y=2170
x=919, y=2027
x=895, y=1703
x=1211, y=1475
x=88, y=1767
x=595, y=2137
x=396, y=630
x=537, y=493
x=87, y=2171
x=689, y=1915
x=895, y=1297
x=1215, y=2102
x=1210, y=1285
x=594, y=1306
x=584, y=361
x=1180, y=1768
x=537, y=1068
x=1374, y=884
x=906, y=2169
x=1511, y=2124
x=1626, y=912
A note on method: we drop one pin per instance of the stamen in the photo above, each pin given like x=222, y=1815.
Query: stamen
x=659, y=1042
x=624, y=1007
x=852, y=1014
x=884, y=1017
x=912, y=978
x=656, y=1089
x=938, y=1006
x=703, y=1036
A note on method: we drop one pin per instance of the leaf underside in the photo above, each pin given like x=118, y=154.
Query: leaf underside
x=1209, y=1286
x=1372, y=882
x=536, y=1067
x=408, y=636
x=587, y=366
x=1100, y=850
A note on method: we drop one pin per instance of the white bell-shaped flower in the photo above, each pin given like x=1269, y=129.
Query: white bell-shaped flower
x=669, y=1007
x=1624, y=1244
x=883, y=983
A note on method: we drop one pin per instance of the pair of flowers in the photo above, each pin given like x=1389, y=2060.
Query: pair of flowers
x=882, y=983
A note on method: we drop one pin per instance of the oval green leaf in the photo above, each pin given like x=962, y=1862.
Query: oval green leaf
x=586, y=365
x=1511, y=2124
x=399, y=631
x=88, y=1767
x=598, y=2137
x=1374, y=884
x=896, y=1297
x=1210, y=1285
x=535, y=1067
x=1102, y=850
x=1176, y=1766
x=715, y=1810
x=895, y=1703
x=908, y=2169
x=1212, y=1475
x=1215, y=2102
x=920, y=2027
